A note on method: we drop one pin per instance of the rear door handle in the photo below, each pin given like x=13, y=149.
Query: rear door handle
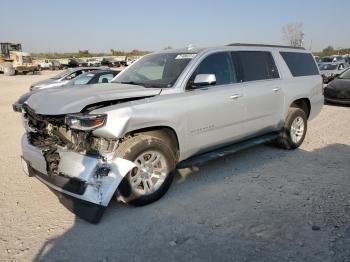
x=276, y=89
x=236, y=96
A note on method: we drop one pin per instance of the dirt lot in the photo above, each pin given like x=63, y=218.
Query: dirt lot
x=263, y=204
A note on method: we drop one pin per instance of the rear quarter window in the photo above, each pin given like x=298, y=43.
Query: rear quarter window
x=300, y=64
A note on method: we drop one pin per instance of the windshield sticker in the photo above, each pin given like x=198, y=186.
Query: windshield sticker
x=90, y=75
x=185, y=56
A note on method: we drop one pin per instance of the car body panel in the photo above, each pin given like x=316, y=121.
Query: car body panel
x=202, y=119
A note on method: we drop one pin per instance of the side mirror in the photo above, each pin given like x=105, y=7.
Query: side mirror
x=204, y=80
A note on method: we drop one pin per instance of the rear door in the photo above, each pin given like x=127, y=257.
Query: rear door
x=262, y=90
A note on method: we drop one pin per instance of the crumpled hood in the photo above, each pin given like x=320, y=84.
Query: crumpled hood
x=73, y=100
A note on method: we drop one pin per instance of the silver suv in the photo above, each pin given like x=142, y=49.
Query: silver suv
x=168, y=110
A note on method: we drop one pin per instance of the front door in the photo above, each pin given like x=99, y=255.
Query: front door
x=216, y=112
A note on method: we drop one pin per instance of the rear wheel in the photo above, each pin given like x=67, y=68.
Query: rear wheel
x=153, y=174
x=294, y=130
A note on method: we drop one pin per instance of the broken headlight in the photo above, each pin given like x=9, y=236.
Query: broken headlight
x=85, y=122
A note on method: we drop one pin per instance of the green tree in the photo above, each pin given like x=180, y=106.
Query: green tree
x=329, y=50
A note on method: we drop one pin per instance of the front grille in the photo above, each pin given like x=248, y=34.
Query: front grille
x=43, y=128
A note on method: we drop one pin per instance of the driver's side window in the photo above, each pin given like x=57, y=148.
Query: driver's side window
x=218, y=64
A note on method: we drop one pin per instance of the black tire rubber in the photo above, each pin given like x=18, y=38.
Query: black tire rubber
x=130, y=149
x=284, y=140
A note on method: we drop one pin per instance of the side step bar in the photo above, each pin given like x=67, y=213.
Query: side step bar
x=227, y=150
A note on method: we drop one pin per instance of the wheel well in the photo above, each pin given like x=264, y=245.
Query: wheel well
x=162, y=132
x=303, y=104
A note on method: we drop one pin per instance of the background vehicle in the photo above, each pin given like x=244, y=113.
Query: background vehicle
x=55, y=65
x=88, y=78
x=94, y=77
x=325, y=59
x=331, y=70
x=110, y=62
x=338, y=58
x=74, y=62
x=338, y=90
x=62, y=78
x=170, y=109
x=44, y=64
x=93, y=62
x=13, y=60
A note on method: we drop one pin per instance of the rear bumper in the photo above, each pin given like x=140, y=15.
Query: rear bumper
x=82, y=188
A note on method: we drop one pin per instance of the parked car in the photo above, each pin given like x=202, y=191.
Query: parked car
x=88, y=78
x=93, y=62
x=62, y=78
x=338, y=58
x=109, y=62
x=331, y=70
x=44, y=64
x=325, y=59
x=338, y=91
x=74, y=62
x=171, y=109
x=347, y=59
x=55, y=65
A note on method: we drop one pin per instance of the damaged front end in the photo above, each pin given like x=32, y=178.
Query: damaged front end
x=63, y=153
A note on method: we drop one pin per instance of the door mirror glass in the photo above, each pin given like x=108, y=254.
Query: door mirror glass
x=204, y=80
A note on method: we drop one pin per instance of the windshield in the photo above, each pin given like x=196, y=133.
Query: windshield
x=14, y=47
x=345, y=74
x=83, y=79
x=63, y=74
x=328, y=67
x=157, y=70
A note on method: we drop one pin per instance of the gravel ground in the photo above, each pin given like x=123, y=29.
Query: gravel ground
x=262, y=204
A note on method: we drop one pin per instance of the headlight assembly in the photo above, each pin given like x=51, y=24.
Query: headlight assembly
x=85, y=122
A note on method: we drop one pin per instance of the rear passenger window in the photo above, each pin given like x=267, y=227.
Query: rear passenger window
x=300, y=64
x=255, y=65
x=220, y=65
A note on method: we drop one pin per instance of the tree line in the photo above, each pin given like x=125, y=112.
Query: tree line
x=330, y=50
x=87, y=53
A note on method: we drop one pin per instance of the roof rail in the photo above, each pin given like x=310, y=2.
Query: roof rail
x=263, y=45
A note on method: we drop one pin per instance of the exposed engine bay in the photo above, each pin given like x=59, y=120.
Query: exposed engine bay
x=50, y=132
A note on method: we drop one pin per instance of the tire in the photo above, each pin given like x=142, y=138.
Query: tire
x=141, y=147
x=8, y=69
x=294, y=129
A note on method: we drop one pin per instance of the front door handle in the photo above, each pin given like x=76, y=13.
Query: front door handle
x=276, y=89
x=236, y=96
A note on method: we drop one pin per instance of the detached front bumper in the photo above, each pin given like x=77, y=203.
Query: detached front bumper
x=85, y=184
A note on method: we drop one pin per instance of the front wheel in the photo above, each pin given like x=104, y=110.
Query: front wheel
x=153, y=174
x=294, y=130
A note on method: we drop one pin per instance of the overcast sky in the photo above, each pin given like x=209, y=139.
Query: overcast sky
x=69, y=25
